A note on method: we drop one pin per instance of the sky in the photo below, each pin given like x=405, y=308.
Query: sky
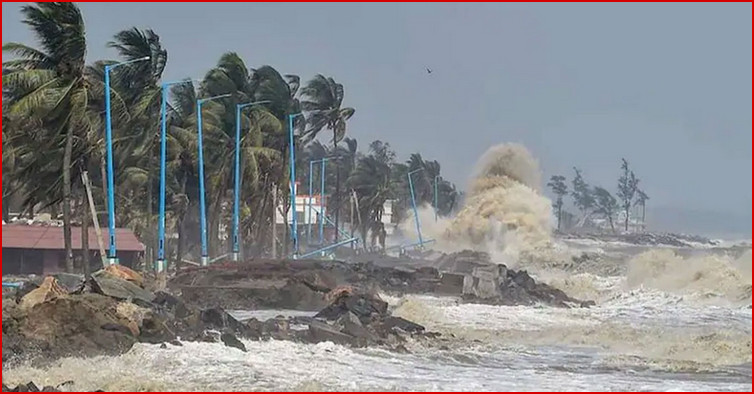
x=667, y=86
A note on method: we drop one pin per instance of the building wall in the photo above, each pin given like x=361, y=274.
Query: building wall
x=46, y=262
x=302, y=208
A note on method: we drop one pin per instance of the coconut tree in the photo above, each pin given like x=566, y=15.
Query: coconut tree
x=281, y=91
x=323, y=97
x=232, y=77
x=49, y=83
x=371, y=182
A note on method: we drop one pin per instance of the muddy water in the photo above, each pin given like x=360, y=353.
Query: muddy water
x=636, y=340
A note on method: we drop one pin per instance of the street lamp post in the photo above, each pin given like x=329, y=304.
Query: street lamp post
x=202, y=198
x=112, y=253
x=413, y=205
x=321, y=200
x=294, y=229
x=161, y=267
x=236, y=251
x=322, y=203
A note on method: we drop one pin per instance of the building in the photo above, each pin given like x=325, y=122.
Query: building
x=387, y=217
x=30, y=249
x=302, y=211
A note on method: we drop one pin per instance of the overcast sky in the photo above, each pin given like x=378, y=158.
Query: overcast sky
x=668, y=86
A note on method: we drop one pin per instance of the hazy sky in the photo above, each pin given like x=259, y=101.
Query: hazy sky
x=668, y=86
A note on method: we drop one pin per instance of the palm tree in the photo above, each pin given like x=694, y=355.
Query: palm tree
x=324, y=99
x=371, y=182
x=231, y=76
x=268, y=84
x=138, y=83
x=50, y=84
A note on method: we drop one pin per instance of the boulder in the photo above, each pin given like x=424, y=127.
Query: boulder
x=219, y=319
x=171, y=304
x=122, y=272
x=394, y=322
x=118, y=288
x=451, y=283
x=352, y=326
x=49, y=290
x=70, y=282
x=322, y=332
x=76, y=325
x=230, y=340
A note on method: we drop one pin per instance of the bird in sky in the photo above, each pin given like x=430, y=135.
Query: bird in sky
x=429, y=70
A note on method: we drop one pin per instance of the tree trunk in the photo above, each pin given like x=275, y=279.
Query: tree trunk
x=273, y=233
x=85, y=264
x=67, y=157
x=628, y=211
x=151, y=224
x=612, y=225
x=337, y=184
x=6, y=210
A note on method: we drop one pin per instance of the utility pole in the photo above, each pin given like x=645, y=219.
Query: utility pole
x=88, y=186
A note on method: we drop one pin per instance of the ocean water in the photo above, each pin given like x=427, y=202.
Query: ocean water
x=645, y=334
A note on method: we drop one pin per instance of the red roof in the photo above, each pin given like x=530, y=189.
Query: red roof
x=21, y=236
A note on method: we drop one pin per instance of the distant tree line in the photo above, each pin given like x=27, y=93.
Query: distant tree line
x=596, y=200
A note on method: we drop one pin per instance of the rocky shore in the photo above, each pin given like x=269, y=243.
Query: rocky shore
x=108, y=312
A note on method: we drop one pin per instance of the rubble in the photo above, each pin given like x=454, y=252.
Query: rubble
x=111, y=310
x=483, y=281
x=33, y=388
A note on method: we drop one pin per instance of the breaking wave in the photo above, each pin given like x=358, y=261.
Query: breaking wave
x=707, y=276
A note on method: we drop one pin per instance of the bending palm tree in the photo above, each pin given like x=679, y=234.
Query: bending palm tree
x=49, y=84
x=325, y=96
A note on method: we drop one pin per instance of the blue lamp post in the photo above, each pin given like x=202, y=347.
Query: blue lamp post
x=294, y=224
x=202, y=198
x=413, y=205
x=322, y=203
x=163, y=160
x=321, y=196
x=112, y=254
x=236, y=251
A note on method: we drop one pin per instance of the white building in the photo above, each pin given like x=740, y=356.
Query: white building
x=387, y=217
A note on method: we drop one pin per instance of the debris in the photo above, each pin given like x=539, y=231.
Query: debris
x=47, y=291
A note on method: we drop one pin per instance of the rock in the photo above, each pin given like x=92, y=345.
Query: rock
x=322, y=332
x=522, y=279
x=230, y=340
x=48, y=290
x=450, y=283
x=497, y=284
x=171, y=304
x=118, y=288
x=175, y=342
x=117, y=327
x=352, y=326
x=209, y=336
x=70, y=282
x=218, y=319
x=361, y=305
x=394, y=322
x=26, y=288
x=163, y=346
x=30, y=387
x=122, y=272
x=77, y=325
